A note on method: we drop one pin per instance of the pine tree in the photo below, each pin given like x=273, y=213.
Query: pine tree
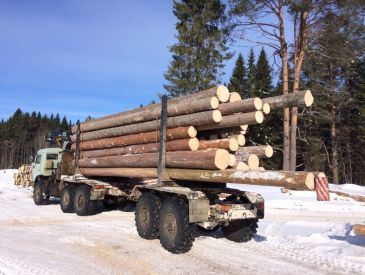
x=238, y=81
x=198, y=56
x=262, y=79
x=251, y=72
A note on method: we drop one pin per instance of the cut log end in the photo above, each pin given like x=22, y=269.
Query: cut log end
x=232, y=160
x=309, y=180
x=233, y=144
x=194, y=144
x=241, y=166
x=308, y=98
x=253, y=162
x=266, y=108
x=259, y=116
x=221, y=160
x=241, y=140
x=192, y=132
x=214, y=102
x=269, y=151
x=233, y=97
x=222, y=93
x=359, y=229
x=217, y=116
x=244, y=127
x=257, y=102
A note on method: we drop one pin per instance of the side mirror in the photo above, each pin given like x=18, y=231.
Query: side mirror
x=31, y=159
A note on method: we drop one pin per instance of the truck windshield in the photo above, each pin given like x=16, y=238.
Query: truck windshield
x=52, y=156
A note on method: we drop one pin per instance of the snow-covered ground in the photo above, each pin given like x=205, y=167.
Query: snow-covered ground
x=298, y=235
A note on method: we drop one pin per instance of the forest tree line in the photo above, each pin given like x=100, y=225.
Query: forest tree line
x=23, y=134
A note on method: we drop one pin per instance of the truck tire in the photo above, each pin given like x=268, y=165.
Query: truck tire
x=83, y=206
x=176, y=234
x=67, y=199
x=38, y=193
x=146, y=216
x=240, y=231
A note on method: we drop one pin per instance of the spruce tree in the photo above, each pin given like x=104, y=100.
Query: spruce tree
x=238, y=81
x=251, y=72
x=198, y=56
x=262, y=79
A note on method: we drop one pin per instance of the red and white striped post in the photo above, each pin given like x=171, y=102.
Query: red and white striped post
x=322, y=189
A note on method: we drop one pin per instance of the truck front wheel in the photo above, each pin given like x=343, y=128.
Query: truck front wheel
x=240, y=231
x=38, y=193
x=83, y=206
x=146, y=215
x=176, y=234
x=67, y=199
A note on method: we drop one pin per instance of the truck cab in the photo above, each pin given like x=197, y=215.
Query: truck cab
x=45, y=163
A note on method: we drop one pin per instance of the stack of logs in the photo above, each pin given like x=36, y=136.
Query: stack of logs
x=205, y=140
x=23, y=176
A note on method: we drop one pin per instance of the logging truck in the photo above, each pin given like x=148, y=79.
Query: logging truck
x=171, y=211
x=170, y=204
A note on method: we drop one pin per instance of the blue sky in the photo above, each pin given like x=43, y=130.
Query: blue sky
x=85, y=57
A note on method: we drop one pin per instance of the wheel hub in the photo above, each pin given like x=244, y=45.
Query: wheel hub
x=145, y=217
x=66, y=198
x=170, y=225
x=80, y=201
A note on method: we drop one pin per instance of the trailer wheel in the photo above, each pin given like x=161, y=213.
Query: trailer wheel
x=146, y=215
x=83, y=206
x=38, y=193
x=67, y=199
x=240, y=231
x=176, y=234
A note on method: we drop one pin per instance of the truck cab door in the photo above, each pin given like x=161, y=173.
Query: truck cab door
x=36, y=167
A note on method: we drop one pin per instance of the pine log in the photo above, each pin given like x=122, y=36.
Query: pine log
x=244, y=127
x=234, y=97
x=240, y=139
x=252, y=160
x=230, y=144
x=221, y=92
x=148, y=137
x=235, y=120
x=152, y=113
x=191, y=144
x=232, y=160
x=242, y=166
x=207, y=159
x=242, y=106
x=261, y=151
x=266, y=108
x=287, y=179
x=202, y=118
x=298, y=99
x=359, y=229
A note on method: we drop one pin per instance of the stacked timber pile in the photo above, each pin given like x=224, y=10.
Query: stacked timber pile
x=205, y=140
x=24, y=176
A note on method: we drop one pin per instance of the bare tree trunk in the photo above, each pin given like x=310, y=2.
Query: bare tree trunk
x=285, y=80
x=334, y=165
x=298, y=61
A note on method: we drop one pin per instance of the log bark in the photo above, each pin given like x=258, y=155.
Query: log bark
x=191, y=144
x=202, y=118
x=141, y=138
x=221, y=92
x=223, y=133
x=152, y=113
x=242, y=106
x=230, y=144
x=235, y=120
x=261, y=151
x=287, y=179
x=208, y=159
x=299, y=99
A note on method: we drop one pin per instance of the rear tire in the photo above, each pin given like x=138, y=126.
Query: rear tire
x=38, y=193
x=67, y=199
x=83, y=206
x=240, y=231
x=146, y=216
x=176, y=234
